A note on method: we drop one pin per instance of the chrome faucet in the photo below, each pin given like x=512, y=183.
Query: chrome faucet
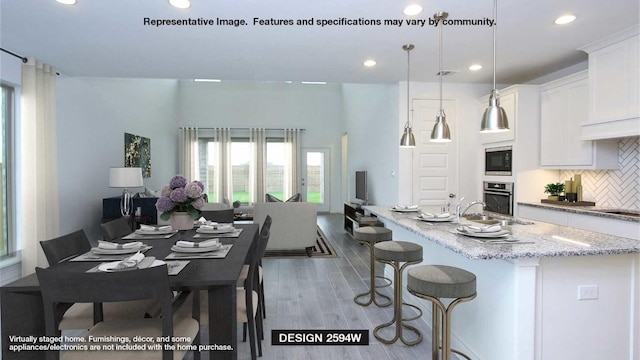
x=466, y=208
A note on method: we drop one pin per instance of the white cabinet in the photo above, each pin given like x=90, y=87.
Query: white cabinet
x=614, y=86
x=563, y=108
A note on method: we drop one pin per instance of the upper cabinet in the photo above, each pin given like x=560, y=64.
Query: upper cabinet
x=563, y=108
x=614, y=87
x=517, y=102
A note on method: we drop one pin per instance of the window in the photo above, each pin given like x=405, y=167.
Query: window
x=276, y=160
x=241, y=163
x=6, y=209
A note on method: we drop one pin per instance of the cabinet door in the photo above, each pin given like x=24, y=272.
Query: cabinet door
x=508, y=103
x=578, y=152
x=552, y=128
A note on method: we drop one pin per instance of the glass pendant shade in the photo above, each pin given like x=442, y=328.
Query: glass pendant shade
x=494, y=118
x=440, y=132
x=407, y=140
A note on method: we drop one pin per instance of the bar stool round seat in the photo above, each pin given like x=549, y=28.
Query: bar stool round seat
x=369, y=236
x=435, y=282
x=393, y=253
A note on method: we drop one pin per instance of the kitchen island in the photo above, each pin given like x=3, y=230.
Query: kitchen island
x=561, y=293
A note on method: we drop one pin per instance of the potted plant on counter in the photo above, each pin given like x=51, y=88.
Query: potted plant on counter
x=554, y=191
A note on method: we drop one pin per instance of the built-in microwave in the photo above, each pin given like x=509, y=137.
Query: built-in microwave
x=497, y=161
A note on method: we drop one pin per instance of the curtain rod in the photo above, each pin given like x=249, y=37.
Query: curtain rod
x=238, y=128
x=24, y=59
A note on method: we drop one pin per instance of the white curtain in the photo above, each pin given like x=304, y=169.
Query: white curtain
x=188, y=153
x=257, y=176
x=292, y=170
x=223, y=179
x=39, y=164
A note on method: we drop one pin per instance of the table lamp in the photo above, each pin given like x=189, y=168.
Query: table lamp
x=125, y=177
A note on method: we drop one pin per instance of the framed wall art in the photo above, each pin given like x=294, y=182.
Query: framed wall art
x=137, y=153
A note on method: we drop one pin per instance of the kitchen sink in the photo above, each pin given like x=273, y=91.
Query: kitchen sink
x=490, y=220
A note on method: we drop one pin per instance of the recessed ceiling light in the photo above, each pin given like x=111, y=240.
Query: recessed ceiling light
x=67, y=2
x=475, y=67
x=313, y=82
x=565, y=19
x=207, y=80
x=180, y=4
x=411, y=10
x=369, y=63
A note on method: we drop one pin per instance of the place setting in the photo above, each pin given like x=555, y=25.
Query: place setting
x=138, y=261
x=489, y=234
x=107, y=250
x=151, y=232
x=405, y=208
x=211, y=228
x=435, y=218
x=206, y=249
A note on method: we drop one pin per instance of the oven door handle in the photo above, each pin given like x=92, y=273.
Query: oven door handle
x=506, y=193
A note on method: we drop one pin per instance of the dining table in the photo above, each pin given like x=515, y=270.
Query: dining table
x=22, y=311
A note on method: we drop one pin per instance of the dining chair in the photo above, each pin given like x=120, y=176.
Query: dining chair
x=116, y=228
x=245, y=272
x=98, y=287
x=220, y=216
x=247, y=298
x=84, y=315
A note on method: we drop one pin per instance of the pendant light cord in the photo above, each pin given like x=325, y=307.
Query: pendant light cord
x=440, y=65
x=408, y=79
x=495, y=19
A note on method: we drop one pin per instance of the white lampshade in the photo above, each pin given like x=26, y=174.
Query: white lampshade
x=125, y=177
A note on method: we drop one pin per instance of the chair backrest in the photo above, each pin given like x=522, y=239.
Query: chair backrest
x=70, y=287
x=66, y=246
x=221, y=216
x=258, y=254
x=116, y=228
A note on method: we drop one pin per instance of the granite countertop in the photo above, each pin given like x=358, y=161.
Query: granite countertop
x=589, y=210
x=540, y=239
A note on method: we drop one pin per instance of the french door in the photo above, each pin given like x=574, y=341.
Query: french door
x=315, y=178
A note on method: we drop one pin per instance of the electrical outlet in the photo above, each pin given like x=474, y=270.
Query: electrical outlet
x=587, y=292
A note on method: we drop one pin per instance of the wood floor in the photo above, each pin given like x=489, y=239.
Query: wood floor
x=318, y=294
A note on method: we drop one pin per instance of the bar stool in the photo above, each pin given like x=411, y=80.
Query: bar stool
x=370, y=235
x=433, y=282
x=393, y=253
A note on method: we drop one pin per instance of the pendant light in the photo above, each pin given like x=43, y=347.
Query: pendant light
x=440, y=132
x=408, y=140
x=494, y=118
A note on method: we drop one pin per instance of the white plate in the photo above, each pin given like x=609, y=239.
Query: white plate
x=181, y=249
x=109, y=267
x=436, y=219
x=495, y=234
x=100, y=251
x=218, y=231
x=405, y=210
x=154, y=232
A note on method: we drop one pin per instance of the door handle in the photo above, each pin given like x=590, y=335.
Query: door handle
x=452, y=195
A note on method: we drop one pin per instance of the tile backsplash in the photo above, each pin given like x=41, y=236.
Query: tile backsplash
x=613, y=188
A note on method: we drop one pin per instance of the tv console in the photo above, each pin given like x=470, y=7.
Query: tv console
x=354, y=218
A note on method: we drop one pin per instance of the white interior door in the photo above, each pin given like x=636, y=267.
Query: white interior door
x=434, y=164
x=316, y=177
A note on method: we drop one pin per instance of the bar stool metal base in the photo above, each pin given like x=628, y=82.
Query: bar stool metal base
x=372, y=284
x=398, y=320
x=440, y=310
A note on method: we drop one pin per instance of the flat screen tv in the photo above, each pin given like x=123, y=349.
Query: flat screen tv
x=361, y=187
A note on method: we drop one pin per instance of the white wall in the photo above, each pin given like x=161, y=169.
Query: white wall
x=93, y=115
x=371, y=118
x=316, y=108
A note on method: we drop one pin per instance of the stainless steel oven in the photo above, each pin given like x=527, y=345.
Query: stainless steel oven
x=498, y=197
x=497, y=160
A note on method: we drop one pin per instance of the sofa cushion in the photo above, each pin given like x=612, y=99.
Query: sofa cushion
x=294, y=224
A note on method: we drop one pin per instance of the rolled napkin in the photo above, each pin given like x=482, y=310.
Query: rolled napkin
x=216, y=226
x=427, y=215
x=405, y=207
x=131, y=261
x=484, y=229
x=154, y=228
x=202, y=220
x=113, y=246
x=201, y=244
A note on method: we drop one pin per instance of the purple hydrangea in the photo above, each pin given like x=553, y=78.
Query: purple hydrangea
x=193, y=190
x=164, y=204
x=166, y=191
x=200, y=184
x=178, y=195
x=177, y=181
x=198, y=203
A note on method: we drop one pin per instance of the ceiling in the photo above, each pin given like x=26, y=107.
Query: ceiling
x=108, y=38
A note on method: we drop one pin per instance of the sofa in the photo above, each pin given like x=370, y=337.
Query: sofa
x=294, y=225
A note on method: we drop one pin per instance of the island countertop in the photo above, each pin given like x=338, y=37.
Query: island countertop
x=540, y=239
